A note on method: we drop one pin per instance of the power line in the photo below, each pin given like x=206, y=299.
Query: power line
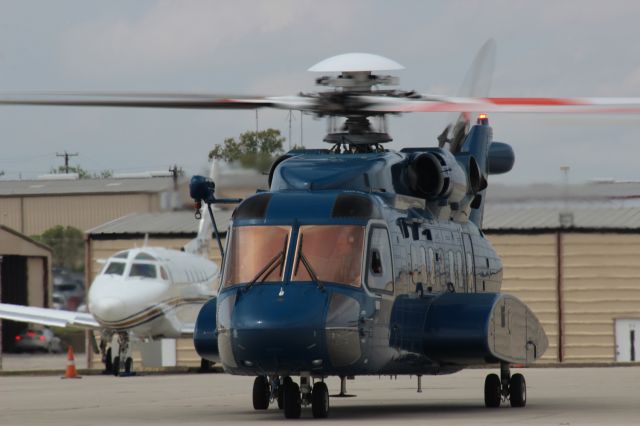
x=66, y=156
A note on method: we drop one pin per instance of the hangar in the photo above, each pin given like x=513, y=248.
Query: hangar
x=33, y=206
x=571, y=253
x=25, y=276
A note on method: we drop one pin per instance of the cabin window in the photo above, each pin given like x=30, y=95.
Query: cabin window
x=379, y=260
x=143, y=270
x=376, y=262
x=256, y=252
x=333, y=253
x=115, y=268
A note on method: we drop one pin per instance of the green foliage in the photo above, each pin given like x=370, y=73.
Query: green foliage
x=82, y=173
x=67, y=244
x=255, y=150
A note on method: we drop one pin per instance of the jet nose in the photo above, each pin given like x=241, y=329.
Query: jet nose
x=108, y=309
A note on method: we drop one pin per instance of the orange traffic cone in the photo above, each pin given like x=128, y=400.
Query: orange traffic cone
x=71, y=366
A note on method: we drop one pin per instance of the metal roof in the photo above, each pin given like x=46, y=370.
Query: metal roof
x=84, y=186
x=502, y=217
x=592, y=206
x=169, y=222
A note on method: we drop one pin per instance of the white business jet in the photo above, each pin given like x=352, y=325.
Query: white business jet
x=145, y=293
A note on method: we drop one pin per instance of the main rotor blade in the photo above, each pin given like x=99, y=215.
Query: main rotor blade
x=154, y=100
x=505, y=105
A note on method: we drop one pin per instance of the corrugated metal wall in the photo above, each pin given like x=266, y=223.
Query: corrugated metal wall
x=530, y=273
x=34, y=215
x=601, y=283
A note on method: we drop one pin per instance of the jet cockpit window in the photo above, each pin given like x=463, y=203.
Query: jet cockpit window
x=114, y=268
x=163, y=274
x=256, y=253
x=144, y=256
x=143, y=270
x=379, y=269
x=122, y=255
x=329, y=253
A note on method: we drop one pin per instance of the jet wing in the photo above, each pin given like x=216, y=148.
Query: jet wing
x=46, y=316
x=188, y=329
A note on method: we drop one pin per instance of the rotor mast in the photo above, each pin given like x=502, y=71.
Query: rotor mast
x=356, y=78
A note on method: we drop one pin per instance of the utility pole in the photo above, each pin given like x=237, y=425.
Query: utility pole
x=175, y=173
x=66, y=156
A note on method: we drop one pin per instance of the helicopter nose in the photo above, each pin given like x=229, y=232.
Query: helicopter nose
x=275, y=326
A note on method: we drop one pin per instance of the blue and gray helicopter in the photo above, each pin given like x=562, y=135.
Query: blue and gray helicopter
x=360, y=260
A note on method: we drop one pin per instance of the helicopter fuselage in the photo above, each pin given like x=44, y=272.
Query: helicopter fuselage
x=325, y=280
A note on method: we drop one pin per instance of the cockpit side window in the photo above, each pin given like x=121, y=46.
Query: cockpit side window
x=143, y=270
x=163, y=274
x=379, y=268
x=115, y=268
x=122, y=255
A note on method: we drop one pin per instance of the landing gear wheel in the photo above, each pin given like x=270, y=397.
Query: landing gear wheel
x=116, y=366
x=492, y=388
x=517, y=391
x=292, y=400
x=205, y=365
x=261, y=393
x=128, y=363
x=285, y=381
x=281, y=397
x=320, y=400
x=108, y=363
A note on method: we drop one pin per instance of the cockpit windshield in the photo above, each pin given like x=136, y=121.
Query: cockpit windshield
x=331, y=252
x=256, y=253
x=114, y=268
x=143, y=270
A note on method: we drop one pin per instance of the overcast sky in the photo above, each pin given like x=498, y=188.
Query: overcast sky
x=544, y=48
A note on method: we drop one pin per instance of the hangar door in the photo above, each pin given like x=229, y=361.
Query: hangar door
x=13, y=277
x=628, y=340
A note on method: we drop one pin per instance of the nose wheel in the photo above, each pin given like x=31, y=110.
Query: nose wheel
x=497, y=389
x=290, y=396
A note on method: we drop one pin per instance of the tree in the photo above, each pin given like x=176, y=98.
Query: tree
x=82, y=173
x=67, y=244
x=256, y=150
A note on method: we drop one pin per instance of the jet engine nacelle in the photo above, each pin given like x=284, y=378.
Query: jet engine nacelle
x=438, y=174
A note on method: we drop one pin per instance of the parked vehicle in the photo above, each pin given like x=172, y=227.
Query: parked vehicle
x=35, y=340
x=68, y=289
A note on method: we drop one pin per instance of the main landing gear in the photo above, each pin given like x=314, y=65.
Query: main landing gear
x=290, y=396
x=506, y=386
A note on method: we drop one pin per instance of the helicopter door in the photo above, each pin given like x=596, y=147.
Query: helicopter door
x=470, y=276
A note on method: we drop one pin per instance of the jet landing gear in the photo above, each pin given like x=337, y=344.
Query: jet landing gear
x=506, y=386
x=290, y=396
x=123, y=362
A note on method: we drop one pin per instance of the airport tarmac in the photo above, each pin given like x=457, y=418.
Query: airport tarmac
x=557, y=396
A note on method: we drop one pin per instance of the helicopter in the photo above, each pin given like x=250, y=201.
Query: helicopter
x=360, y=260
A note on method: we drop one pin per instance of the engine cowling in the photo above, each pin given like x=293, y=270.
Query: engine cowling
x=438, y=174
